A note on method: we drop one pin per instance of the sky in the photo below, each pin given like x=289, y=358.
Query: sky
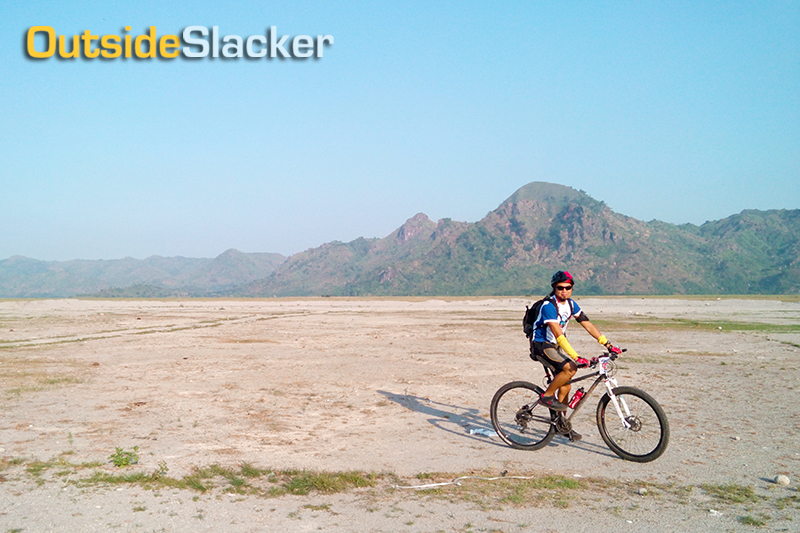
x=677, y=111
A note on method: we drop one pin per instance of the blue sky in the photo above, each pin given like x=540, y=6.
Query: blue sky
x=676, y=111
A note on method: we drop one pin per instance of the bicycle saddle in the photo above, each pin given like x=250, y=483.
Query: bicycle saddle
x=545, y=362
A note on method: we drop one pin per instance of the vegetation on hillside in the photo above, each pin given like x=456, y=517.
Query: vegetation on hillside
x=541, y=228
x=545, y=227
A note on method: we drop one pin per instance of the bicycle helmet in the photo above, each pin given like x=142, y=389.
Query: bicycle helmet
x=561, y=275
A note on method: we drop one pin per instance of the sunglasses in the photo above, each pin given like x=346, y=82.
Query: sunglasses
x=563, y=287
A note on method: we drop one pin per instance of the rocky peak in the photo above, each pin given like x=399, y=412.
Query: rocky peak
x=230, y=253
x=417, y=226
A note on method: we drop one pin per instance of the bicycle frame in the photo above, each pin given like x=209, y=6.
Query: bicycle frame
x=524, y=422
x=603, y=375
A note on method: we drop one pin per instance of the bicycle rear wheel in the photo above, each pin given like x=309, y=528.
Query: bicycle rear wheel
x=519, y=419
x=648, y=435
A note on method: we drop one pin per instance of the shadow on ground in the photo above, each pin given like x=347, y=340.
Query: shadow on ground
x=467, y=423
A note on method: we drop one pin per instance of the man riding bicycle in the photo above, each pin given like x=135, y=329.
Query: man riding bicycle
x=549, y=341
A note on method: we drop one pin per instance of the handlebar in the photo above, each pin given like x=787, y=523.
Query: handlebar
x=610, y=355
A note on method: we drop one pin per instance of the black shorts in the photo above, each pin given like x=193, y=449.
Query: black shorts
x=552, y=352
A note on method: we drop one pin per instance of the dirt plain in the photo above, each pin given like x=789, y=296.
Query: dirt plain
x=246, y=397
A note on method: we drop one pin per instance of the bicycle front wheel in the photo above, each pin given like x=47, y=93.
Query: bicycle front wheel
x=644, y=435
x=519, y=419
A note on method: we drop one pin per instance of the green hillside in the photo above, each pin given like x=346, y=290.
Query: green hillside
x=513, y=250
x=544, y=227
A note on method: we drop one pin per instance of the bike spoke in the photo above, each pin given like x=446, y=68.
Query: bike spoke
x=519, y=419
x=643, y=434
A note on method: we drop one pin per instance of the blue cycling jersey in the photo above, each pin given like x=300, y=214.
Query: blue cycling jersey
x=551, y=311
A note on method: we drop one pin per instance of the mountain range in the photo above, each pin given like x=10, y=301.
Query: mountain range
x=22, y=277
x=544, y=227
x=513, y=250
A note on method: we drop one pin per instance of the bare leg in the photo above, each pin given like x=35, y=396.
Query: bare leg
x=566, y=374
x=563, y=393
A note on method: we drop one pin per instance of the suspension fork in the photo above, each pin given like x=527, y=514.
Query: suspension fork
x=620, y=405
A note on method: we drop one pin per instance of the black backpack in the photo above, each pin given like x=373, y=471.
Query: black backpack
x=531, y=313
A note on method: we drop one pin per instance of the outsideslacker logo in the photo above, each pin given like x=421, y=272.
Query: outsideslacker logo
x=194, y=42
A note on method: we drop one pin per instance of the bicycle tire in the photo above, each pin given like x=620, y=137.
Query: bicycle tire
x=648, y=437
x=518, y=419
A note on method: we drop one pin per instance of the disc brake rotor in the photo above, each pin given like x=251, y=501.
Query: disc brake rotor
x=634, y=422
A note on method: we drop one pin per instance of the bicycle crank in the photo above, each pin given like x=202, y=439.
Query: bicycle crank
x=563, y=425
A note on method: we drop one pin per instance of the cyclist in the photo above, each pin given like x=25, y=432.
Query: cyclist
x=549, y=341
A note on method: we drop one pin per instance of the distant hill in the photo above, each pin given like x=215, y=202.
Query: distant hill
x=541, y=228
x=21, y=277
x=544, y=227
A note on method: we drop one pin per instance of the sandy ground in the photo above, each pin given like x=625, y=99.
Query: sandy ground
x=392, y=387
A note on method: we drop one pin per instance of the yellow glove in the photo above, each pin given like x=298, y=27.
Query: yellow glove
x=565, y=345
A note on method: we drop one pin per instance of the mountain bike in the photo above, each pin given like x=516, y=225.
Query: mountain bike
x=632, y=424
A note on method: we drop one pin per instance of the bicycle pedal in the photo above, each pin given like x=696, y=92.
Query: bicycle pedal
x=573, y=436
